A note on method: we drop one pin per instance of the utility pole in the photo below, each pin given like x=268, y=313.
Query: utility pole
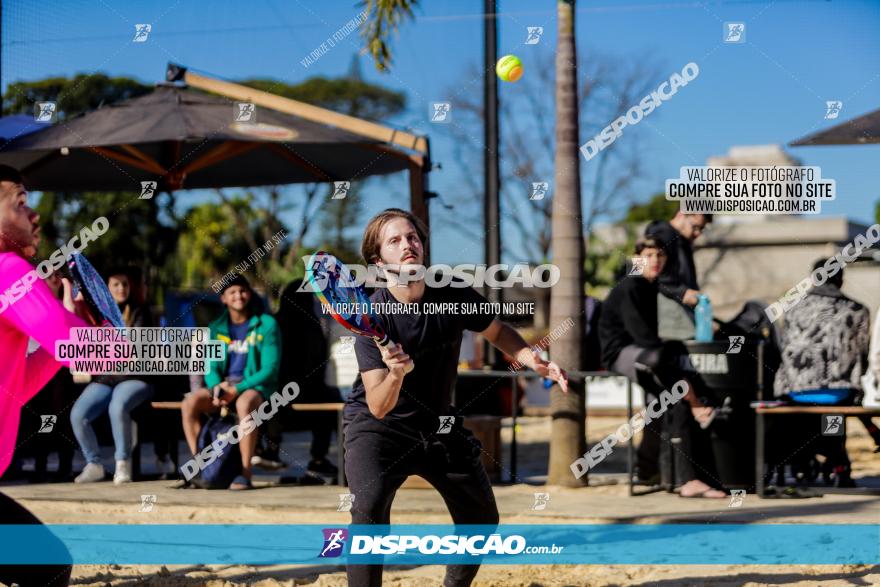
x=491, y=205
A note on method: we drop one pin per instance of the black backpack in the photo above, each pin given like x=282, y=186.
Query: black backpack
x=227, y=466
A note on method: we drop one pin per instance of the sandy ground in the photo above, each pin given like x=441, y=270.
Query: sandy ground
x=54, y=509
x=489, y=576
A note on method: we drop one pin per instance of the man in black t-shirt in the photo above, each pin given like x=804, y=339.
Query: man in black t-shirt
x=399, y=417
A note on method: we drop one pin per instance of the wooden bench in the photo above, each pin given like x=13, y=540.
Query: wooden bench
x=762, y=412
x=325, y=407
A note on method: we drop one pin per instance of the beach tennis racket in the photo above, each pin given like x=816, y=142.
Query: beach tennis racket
x=337, y=288
x=87, y=280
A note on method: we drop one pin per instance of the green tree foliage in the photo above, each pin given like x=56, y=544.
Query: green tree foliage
x=75, y=95
x=336, y=224
x=657, y=208
x=383, y=18
x=135, y=237
x=347, y=95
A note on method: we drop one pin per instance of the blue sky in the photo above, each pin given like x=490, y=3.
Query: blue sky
x=770, y=89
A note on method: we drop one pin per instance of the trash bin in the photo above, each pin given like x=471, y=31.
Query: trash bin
x=729, y=375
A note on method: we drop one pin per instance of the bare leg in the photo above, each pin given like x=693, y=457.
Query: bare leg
x=247, y=402
x=193, y=406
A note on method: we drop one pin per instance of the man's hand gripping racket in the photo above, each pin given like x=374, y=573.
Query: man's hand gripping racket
x=348, y=303
x=92, y=288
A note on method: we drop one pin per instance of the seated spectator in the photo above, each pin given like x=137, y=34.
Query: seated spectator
x=630, y=343
x=112, y=394
x=306, y=356
x=245, y=378
x=824, y=356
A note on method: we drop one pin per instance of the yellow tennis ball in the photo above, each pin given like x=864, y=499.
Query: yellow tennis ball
x=509, y=68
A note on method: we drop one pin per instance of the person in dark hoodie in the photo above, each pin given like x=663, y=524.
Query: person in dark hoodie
x=304, y=360
x=630, y=342
x=678, y=281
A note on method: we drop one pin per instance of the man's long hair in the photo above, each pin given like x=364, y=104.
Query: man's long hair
x=372, y=242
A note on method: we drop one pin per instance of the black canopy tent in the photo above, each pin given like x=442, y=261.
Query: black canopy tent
x=186, y=139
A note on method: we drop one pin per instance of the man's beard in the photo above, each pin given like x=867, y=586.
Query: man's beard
x=18, y=240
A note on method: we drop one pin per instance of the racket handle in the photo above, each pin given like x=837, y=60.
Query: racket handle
x=388, y=345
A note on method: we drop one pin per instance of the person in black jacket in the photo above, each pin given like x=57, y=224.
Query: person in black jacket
x=630, y=343
x=678, y=280
x=305, y=355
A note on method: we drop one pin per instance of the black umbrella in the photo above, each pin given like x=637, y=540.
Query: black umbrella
x=862, y=130
x=184, y=139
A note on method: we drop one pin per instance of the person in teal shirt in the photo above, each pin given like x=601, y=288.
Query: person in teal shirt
x=247, y=376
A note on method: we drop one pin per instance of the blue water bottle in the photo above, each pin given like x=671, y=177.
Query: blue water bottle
x=703, y=314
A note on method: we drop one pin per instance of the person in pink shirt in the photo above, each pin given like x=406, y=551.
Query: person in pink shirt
x=27, y=310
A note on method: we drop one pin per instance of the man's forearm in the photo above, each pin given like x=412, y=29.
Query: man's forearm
x=509, y=341
x=382, y=398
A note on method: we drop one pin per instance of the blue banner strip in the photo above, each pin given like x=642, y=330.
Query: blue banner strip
x=251, y=544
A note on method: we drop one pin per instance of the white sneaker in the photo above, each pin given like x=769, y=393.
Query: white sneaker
x=123, y=472
x=91, y=473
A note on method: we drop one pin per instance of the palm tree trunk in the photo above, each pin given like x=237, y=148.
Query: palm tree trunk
x=568, y=438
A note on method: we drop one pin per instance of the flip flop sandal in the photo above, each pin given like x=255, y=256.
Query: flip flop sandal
x=241, y=483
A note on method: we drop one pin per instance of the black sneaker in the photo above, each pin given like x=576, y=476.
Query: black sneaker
x=323, y=468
